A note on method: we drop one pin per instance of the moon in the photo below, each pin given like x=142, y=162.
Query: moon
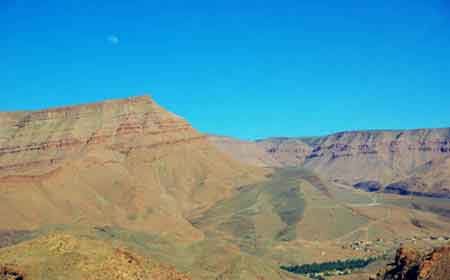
x=113, y=39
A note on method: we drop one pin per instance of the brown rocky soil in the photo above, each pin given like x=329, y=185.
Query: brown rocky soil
x=64, y=256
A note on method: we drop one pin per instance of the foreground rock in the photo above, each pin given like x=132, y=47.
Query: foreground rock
x=11, y=272
x=411, y=264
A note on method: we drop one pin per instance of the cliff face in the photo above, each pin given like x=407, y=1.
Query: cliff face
x=124, y=162
x=383, y=156
x=409, y=161
x=40, y=141
x=411, y=264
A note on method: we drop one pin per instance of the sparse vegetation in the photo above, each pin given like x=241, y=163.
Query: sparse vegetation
x=338, y=267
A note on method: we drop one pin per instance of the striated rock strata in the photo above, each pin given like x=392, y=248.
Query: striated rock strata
x=415, y=161
x=383, y=156
x=125, y=162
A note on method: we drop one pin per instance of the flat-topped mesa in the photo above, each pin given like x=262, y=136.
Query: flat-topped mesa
x=423, y=140
x=47, y=137
x=124, y=162
x=143, y=99
x=377, y=155
x=408, y=161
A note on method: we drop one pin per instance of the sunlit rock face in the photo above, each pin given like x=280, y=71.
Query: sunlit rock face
x=125, y=162
x=43, y=139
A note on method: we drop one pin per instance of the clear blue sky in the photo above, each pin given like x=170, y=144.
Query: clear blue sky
x=249, y=69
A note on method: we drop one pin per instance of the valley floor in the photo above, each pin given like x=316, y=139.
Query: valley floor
x=294, y=217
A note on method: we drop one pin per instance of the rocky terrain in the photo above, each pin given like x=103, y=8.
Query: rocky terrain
x=408, y=161
x=413, y=264
x=66, y=256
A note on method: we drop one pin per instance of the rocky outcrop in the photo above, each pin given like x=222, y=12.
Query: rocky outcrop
x=11, y=272
x=411, y=264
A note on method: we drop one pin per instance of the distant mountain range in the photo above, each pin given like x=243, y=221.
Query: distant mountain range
x=400, y=161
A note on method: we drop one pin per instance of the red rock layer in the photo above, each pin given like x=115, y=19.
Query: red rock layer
x=44, y=139
x=127, y=162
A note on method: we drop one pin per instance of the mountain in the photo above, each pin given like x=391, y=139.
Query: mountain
x=384, y=157
x=125, y=189
x=272, y=152
x=377, y=155
x=126, y=163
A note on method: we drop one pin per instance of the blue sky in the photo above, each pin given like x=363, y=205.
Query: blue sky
x=249, y=69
